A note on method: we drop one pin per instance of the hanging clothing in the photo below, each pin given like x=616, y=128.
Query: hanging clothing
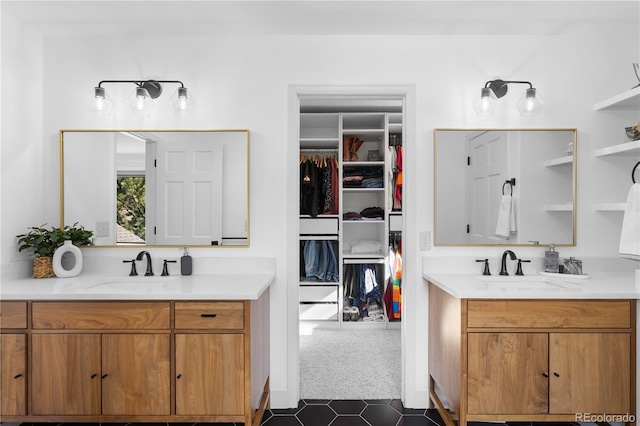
x=318, y=185
x=319, y=260
x=393, y=291
x=309, y=188
x=361, y=284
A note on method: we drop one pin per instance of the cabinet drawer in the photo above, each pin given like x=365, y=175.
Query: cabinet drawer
x=395, y=222
x=319, y=226
x=317, y=293
x=210, y=315
x=548, y=314
x=13, y=314
x=319, y=311
x=100, y=315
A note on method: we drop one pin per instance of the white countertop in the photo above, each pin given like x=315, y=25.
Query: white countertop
x=475, y=286
x=111, y=287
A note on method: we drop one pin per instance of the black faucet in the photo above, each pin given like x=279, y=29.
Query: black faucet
x=149, y=266
x=503, y=267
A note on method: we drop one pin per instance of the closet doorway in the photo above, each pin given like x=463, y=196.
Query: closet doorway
x=350, y=243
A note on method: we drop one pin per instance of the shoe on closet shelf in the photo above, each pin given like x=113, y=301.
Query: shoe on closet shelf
x=357, y=142
x=346, y=313
x=374, y=318
x=347, y=146
x=355, y=313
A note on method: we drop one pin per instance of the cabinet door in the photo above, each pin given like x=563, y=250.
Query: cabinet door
x=65, y=374
x=210, y=374
x=507, y=373
x=135, y=374
x=589, y=373
x=13, y=357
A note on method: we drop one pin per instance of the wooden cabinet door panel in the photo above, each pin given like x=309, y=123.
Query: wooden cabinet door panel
x=65, y=374
x=506, y=373
x=135, y=374
x=13, y=382
x=210, y=374
x=13, y=314
x=589, y=373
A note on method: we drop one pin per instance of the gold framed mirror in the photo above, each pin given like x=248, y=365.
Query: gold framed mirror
x=157, y=188
x=505, y=186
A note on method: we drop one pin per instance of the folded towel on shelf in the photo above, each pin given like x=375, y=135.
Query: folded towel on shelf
x=365, y=246
x=630, y=235
x=506, y=218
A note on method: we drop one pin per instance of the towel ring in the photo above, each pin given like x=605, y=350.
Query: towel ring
x=511, y=182
x=633, y=172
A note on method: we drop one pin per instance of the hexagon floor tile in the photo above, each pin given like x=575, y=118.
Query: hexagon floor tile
x=317, y=412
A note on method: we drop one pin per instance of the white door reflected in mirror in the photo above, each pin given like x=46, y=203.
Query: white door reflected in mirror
x=157, y=188
x=475, y=169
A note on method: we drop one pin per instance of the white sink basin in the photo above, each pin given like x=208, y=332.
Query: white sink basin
x=134, y=285
x=511, y=283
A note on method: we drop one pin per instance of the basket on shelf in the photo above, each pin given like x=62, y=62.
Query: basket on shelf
x=43, y=267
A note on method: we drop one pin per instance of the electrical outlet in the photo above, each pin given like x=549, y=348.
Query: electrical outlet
x=425, y=241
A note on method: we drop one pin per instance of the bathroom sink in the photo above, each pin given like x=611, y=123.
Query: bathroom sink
x=136, y=285
x=510, y=283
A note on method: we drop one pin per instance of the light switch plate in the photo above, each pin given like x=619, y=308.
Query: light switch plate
x=102, y=229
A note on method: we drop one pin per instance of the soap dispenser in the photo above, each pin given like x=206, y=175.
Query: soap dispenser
x=185, y=263
x=551, y=260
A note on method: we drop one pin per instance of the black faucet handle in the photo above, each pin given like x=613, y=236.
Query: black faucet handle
x=133, y=272
x=519, y=269
x=165, y=270
x=486, y=266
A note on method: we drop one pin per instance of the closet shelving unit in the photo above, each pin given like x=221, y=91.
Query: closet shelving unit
x=322, y=303
x=626, y=101
x=319, y=135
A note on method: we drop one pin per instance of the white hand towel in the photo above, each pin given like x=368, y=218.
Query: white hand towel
x=506, y=218
x=630, y=235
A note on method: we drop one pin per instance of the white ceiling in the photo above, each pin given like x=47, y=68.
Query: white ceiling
x=324, y=17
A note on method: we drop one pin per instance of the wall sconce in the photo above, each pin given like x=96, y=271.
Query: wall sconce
x=529, y=104
x=141, y=100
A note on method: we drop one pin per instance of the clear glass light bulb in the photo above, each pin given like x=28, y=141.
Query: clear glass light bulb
x=530, y=103
x=485, y=103
x=140, y=102
x=182, y=102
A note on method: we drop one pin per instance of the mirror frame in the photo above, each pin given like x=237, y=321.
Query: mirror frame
x=485, y=129
x=248, y=198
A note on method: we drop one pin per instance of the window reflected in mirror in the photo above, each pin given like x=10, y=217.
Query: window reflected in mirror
x=157, y=187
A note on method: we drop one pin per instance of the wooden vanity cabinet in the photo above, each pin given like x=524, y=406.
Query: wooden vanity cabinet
x=119, y=371
x=136, y=361
x=13, y=358
x=530, y=360
x=210, y=361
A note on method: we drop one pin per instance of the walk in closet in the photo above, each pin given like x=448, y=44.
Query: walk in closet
x=351, y=214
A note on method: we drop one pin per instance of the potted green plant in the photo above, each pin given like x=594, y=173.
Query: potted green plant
x=44, y=243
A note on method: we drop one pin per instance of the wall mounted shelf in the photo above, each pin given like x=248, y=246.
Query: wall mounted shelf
x=628, y=149
x=561, y=161
x=626, y=101
x=558, y=207
x=611, y=207
x=629, y=100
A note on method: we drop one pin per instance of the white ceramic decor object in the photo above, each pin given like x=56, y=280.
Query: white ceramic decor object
x=58, y=269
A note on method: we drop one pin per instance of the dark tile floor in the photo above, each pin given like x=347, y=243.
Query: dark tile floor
x=316, y=412
x=379, y=412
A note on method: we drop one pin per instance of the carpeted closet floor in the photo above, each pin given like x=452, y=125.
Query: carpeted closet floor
x=350, y=364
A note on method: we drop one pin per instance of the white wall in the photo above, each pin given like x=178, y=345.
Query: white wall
x=242, y=82
x=22, y=141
